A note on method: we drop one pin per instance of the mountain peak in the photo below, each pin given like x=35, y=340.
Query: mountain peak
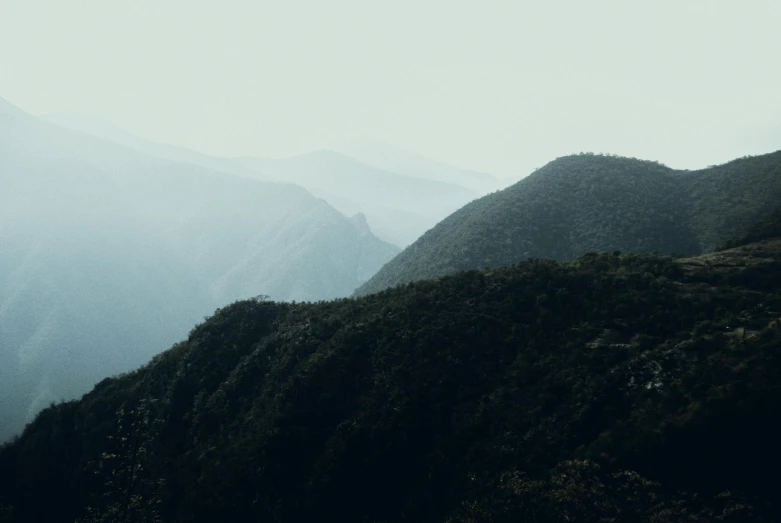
x=7, y=109
x=587, y=160
x=360, y=223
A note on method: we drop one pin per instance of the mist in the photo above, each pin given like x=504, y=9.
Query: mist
x=389, y=261
x=111, y=256
x=500, y=87
x=163, y=159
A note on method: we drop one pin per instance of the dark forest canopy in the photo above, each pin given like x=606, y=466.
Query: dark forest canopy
x=582, y=203
x=629, y=386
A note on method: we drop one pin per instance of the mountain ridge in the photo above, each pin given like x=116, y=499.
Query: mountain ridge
x=395, y=159
x=581, y=203
x=108, y=131
x=399, y=208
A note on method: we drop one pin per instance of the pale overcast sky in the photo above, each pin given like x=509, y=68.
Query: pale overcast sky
x=499, y=86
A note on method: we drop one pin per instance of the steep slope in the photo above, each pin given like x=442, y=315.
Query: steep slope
x=109, y=256
x=657, y=376
x=398, y=208
x=583, y=203
x=393, y=159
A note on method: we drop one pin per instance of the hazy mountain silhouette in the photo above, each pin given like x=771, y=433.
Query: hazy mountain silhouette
x=398, y=208
x=110, y=255
x=111, y=132
x=397, y=160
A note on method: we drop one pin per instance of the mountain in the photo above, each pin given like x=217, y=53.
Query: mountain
x=583, y=203
x=617, y=387
x=108, y=131
x=394, y=159
x=109, y=256
x=398, y=208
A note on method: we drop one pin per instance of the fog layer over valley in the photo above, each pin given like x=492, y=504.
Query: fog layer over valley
x=110, y=256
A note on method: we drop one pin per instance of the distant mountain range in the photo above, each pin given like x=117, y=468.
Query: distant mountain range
x=582, y=203
x=108, y=131
x=398, y=208
x=401, y=194
x=110, y=255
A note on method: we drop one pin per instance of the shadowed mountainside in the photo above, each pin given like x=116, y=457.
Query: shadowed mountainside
x=633, y=387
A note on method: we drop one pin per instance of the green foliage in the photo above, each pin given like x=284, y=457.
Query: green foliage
x=581, y=491
x=588, y=203
x=767, y=228
x=599, y=383
x=127, y=493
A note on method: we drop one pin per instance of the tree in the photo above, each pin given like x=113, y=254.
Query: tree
x=129, y=494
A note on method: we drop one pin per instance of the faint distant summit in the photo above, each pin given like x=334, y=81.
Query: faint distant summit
x=7, y=109
x=359, y=222
x=394, y=159
x=399, y=208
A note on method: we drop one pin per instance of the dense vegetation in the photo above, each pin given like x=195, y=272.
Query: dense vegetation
x=617, y=387
x=770, y=227
x=583, y=203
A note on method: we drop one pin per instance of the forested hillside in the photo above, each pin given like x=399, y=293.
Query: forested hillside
x=109, y=256
x=616, y=387
x=584, y=203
